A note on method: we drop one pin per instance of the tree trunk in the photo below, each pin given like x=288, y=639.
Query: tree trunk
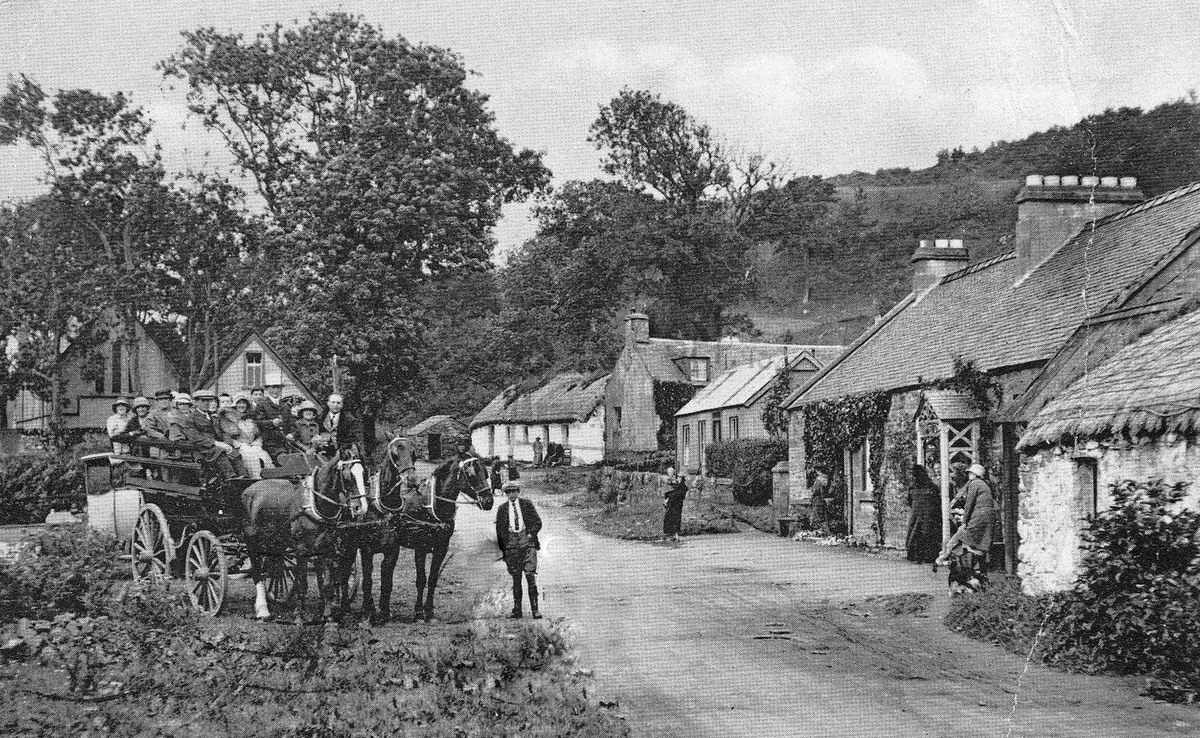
x=133, y=367
x=807, y=263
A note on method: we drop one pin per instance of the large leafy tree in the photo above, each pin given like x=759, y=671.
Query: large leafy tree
x=382, y=171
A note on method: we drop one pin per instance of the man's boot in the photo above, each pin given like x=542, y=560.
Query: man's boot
x=516, y=590
x=533, y=598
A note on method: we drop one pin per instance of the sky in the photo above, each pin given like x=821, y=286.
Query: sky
x=825, y=87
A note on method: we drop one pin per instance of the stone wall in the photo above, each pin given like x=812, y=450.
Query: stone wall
x=1055, y=497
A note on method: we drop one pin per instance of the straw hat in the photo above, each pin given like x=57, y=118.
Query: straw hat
x=977, y=470
x=120, y=402
x=140, y=402
x=183, y=398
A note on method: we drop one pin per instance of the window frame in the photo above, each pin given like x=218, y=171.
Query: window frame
x=249, y=378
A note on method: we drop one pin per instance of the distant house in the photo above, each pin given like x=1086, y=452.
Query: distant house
x=731, y=407
x=94, y=379
x=567, y=408
x=1080, y=245
x=435, y=437
x=632, y=420
x=252, y=362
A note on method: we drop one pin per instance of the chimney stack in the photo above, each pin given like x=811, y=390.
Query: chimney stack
x=637, y=328
x=1053, y=208
x=934, y=259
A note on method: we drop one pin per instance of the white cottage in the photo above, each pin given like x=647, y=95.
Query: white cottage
x=567, y=409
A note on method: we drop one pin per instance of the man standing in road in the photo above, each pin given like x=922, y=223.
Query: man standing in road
x=517, y=527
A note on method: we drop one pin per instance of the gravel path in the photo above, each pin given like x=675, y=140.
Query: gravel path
x=748, y=634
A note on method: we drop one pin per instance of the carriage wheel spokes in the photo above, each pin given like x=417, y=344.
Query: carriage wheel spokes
x=206, y=570
x=151, y=548
x=280, y=577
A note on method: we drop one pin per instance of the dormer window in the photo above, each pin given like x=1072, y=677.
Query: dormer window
x=697, y=369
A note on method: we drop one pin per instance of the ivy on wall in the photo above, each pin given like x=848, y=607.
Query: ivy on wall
x=831, y=426
x=669, y=397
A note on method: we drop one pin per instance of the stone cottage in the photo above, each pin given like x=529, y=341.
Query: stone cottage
x=731, y=407
x=950, y=361
x=437, y=436
x=651, y=372
x=567, y=408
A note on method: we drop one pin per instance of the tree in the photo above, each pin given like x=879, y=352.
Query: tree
x=381, y=169
x=655, y=145
x=796, y=219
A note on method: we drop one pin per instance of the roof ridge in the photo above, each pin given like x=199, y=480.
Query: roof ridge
x=978, y=267
x=1153, y=202
x=744, y=343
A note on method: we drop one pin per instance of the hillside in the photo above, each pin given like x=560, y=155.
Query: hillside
x=968, y=195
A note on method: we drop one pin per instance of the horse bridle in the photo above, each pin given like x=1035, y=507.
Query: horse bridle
x=337, y=503
x=399, y=479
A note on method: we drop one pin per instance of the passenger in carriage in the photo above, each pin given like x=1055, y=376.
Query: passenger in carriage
x=157, y=423
x=341, y=424
x=137, y=421
x=194, y=427
x=305, y=428
x=224, y=401
x=243, y=434
x=117, y=422
x=273, y=415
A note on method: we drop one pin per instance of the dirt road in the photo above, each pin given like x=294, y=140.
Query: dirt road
x=751, y=635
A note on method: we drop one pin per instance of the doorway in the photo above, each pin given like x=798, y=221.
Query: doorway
x=434, y=446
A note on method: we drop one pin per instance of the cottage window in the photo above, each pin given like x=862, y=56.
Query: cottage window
x=685, y=444
x=733, y=428
x=698, y=370
x=1087, y=474
x=525, y=431
x=566, y=434
x=254, y=369
x=716, y=428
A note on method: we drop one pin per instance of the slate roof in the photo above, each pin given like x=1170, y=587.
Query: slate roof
x=565, y=398
x=659, y=355
x=1149, y=387
x=433, y=422
x=738, y=387
x=986, y=314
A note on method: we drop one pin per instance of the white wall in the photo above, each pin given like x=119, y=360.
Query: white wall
x=586, y=440
x=233, y=379
x=1053, y=502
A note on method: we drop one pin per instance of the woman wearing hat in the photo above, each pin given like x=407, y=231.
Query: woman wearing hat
x=974, y=538
x=248, y=439
x=117, y=423
x=305, y=428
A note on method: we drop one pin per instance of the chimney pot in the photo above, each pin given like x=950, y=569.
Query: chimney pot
x=934, y=259
x=1070, y=180
x=1052, y=180
x=637, y=328
x=1109, y=181
x=1033, y=180
x=925, y=243
x=1128, y=182
x=1091, y=181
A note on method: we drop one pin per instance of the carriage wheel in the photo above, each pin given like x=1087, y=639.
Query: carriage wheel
x=150, y=546
x=206, y=569
x=280, y=577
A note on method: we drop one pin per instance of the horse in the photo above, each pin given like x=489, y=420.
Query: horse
x=417, y=517
x=308, y=519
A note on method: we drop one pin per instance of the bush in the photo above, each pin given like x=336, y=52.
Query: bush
x=651, y=461
x=748, y=463
x=1001, y=614
x=66, y=568
x=1135, y=607
x=32, y=484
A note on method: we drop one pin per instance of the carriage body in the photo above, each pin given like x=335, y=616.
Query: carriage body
x=175, y=521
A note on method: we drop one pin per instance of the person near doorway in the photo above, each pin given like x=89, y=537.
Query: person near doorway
x=924, y=540
x=819, y=494
x=673, y=499
x=517, y=528
x=971, y=543
x=538, y=449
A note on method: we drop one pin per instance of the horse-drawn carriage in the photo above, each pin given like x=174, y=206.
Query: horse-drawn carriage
x=180, y=523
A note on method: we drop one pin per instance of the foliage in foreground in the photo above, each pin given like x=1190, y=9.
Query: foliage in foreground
x=1134, y=608
x=145, y=663
x=33, y=484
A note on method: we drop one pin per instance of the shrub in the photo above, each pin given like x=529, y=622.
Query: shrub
x=32, y=484
x=67, y=568
x=1000, y=613
x=1135, y=606
x=748, y=462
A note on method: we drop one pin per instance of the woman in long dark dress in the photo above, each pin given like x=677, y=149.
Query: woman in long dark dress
x=673, y=504
x=924, y=539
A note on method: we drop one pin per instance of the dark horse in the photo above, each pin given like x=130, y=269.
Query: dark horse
x=307, y=520
x=420, y=517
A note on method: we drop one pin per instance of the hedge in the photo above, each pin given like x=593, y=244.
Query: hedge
x=33, y=484
x=748, y=463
